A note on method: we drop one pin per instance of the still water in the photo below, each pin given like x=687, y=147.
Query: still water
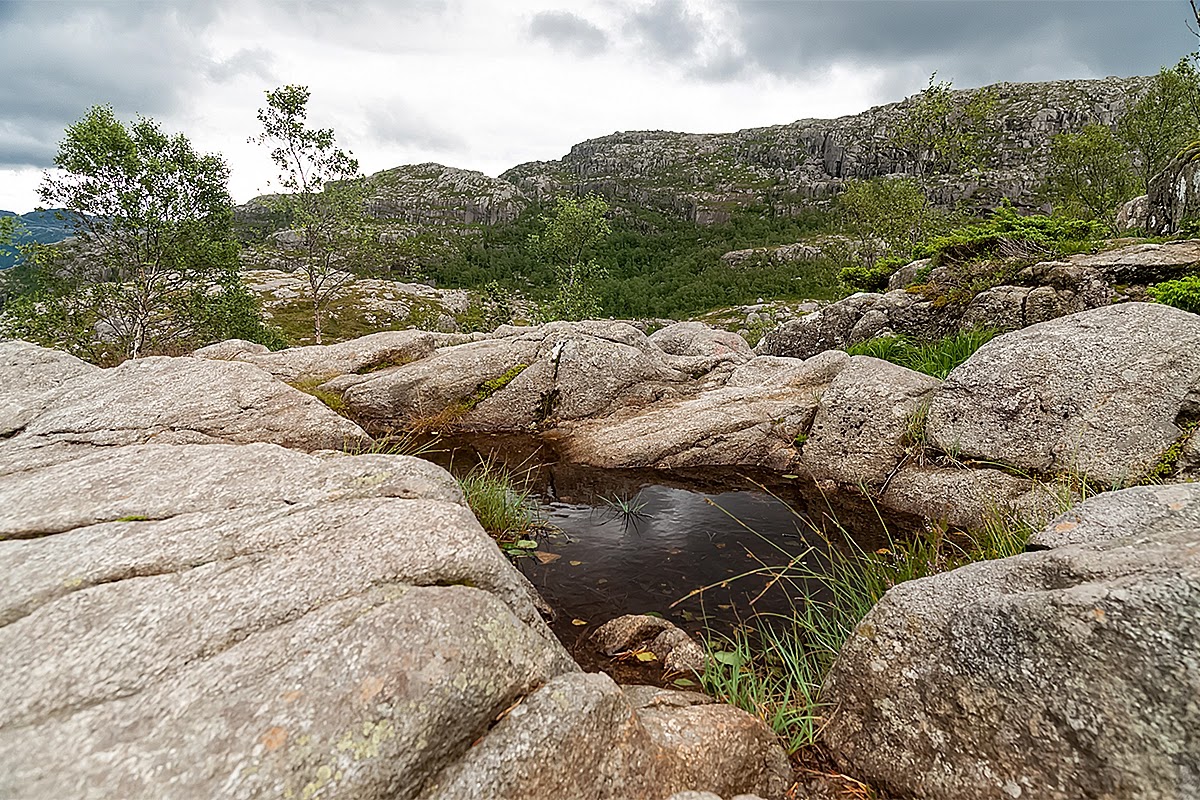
x=702, y=549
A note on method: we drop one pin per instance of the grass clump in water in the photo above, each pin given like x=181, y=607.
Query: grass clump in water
x=774, y=665
x=503, y=507
x=937, y=358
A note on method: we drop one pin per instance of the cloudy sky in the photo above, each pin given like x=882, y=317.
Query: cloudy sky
x=487, y=84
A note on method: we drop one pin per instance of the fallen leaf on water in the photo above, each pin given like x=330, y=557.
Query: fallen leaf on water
x=578, y=622
x=576, y=563
x=545, y=557
x=527, y=544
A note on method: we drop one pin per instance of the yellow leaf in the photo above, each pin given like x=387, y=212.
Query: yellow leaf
x=646, y=657
x=578, y=622
x=576, y=563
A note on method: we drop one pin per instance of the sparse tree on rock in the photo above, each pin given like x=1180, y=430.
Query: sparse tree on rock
x=325, y=196
x=1090, y=174
x=937, y=135
x=576, y=228
x=153, y=261
x=1163, y=120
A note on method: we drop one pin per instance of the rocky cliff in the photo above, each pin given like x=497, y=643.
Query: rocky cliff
x=706, y=176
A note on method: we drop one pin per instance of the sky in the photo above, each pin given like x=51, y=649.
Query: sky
x=488, y=84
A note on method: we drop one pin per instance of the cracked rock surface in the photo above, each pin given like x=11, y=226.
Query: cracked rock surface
x=187, y=610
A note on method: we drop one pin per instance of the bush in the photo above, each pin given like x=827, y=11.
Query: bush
x=1008, y=234
x=871, y=279
x=1181, y=293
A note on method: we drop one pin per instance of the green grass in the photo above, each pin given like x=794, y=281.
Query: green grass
x=936, y=358
x=312, y=387
x=504, y=508
x=774, y=665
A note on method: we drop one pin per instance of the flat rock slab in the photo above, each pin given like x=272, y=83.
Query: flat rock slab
x=323, y=362
x=1102, y=393
x=182, y=400
x=1066, y=673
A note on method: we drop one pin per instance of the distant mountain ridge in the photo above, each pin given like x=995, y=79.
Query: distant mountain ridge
x=45, y=226
x=706, y=178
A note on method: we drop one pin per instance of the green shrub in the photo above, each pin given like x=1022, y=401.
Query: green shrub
x=503, y=508
x=1181, y=293
x=1008, y=234
x=871, y=279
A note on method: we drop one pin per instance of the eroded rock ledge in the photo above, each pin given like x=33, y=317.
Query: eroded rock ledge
x=1106, y=395
x=199, y=598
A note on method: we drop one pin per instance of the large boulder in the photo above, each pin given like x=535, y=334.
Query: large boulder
x=582, y=736
x=532, y=377
x=1173, y=196
x=1066, y=673
x=754, y=420
x=1103, y=392
x=825, y=329
x=864, y=420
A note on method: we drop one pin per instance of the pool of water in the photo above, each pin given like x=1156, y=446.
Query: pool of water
x=701, y=548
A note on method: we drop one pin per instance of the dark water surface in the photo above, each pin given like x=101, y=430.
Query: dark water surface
x=636, y=542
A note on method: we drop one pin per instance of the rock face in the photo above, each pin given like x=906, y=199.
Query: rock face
x=1173, y=197
x=175, y=401
x=1044, y=291
x=1069, y=673
x=187, y=612
x=318, y=362
x=433, y=194
x=1104, y=393
x=37, y=373
x=705, y=177
x=524, y=378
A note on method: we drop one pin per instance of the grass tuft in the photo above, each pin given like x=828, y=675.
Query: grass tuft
x=312, y=387
x=937, y=358
x=504, y=508
x=774, y=665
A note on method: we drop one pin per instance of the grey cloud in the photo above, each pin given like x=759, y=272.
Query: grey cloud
x=972, y=42
x=667, y=28
x=400, y=125
x=256, y=62
x=138, y=57
x=566, y=31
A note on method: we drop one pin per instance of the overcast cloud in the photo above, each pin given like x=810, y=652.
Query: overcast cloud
x=487, y=85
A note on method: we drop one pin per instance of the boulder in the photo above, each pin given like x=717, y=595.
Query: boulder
x=528, y=377
x=826, y=329
x=698, y=339
x=177, y=400
x=31, y=375
x=251, y=621
x=731, y=426
x=968, y=498
x=1065, y=673
x=1173, y=196
x=322, y=362
x=580, y=735
x=863, y=421
x=1103, y=392
x=674, y=649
